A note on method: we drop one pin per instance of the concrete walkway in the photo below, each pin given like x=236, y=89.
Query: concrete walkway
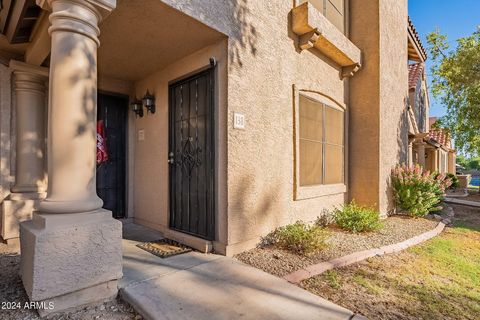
x=463, y=202
x=207, y=286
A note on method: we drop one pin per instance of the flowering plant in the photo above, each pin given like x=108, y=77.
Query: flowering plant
x=417, y=190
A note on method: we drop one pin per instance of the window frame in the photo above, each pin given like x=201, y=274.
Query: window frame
x=323, y=11
x=319, y=190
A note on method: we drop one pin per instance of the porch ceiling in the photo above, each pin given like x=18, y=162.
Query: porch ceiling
x=143, y=36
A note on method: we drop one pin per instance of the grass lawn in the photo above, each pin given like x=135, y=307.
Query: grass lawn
x=439, y=279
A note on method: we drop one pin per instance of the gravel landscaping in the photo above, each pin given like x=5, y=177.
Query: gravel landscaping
x=11, y=290
x=281, y=262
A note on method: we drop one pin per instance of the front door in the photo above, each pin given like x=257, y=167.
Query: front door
x=191, y=155
x=111, y=171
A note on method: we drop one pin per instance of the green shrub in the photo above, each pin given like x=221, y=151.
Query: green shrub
x=418, y=191
x=301, y=238
x=453, y=178
x=356, y=218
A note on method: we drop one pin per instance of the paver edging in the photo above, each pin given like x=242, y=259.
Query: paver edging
x=463, y=202
x=319, y=268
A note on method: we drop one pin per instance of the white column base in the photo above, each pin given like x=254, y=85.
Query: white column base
x=64, y=254
x=16, y=209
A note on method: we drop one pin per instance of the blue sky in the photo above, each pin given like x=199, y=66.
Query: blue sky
x=456, y=19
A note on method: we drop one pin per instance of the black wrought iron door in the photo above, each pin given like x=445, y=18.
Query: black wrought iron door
x=111, y=174
x=191, y=155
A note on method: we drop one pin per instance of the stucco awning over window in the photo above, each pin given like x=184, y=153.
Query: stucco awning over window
x=315, y=31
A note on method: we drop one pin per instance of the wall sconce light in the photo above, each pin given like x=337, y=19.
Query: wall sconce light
x=148, y=102
x=137, y=107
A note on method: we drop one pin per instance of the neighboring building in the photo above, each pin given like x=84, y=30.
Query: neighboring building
x=260, y=113
x=439, y=154
x=429, y=147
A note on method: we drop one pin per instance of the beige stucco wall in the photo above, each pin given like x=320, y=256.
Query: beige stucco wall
x=264, y=63
x=364, y=105
x=393, y=94
x=378, y=122
x=151, y=154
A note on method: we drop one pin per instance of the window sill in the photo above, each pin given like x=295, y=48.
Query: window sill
x=315, y=31
x=308, y=192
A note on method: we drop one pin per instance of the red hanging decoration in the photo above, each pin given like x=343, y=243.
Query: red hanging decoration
x=102, y=154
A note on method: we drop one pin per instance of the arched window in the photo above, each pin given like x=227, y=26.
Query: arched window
x=320, y=144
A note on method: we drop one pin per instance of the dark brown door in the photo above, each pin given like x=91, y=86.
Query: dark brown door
x=191, y=155
x=111, y=174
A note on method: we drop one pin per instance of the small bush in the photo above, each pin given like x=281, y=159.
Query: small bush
x=418, y=191
x=301, y=238
x=453, y=178
x=325, y=218
x=356, y=218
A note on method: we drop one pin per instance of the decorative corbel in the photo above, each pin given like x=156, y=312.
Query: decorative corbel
x=350, y=70
x=308, y=40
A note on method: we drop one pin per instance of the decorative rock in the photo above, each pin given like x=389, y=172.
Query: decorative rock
x=316, y=269
x=437, y=217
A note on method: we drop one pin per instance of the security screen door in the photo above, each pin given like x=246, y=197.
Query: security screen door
x=191, y=155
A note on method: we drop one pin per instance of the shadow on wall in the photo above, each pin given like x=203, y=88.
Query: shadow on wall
x=244, y=37
x=402, y=134
x=402, y=152
x=254, y=212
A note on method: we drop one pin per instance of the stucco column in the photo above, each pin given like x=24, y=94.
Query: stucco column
x=29, y=84
x=410, y=153
x=435, y=157
x=71, y=249
x=72, y=107
x=451, y=162
x=30, y=176
x=421, y=153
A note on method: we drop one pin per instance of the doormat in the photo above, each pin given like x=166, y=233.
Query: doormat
x=164, y=248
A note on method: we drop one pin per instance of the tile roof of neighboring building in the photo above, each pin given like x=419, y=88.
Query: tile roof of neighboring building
x=416, y=37
x=439, y=135
x=415, y=71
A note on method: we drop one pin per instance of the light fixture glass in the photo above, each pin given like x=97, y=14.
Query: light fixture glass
x=148, y=102
x=137, y=107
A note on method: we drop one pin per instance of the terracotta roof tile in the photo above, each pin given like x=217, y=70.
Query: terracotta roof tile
x=415, y=71
x=440, y=136
x=417, y=37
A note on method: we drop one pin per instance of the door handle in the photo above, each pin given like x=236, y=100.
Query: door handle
x=171, y=160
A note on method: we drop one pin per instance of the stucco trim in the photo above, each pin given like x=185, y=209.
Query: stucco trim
x=25, y=67
x=315, y=31
x=315, y=191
